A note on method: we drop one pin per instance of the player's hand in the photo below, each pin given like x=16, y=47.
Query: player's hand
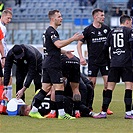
x=20, y=93
x=83, y=61
x=69, y=54
x=4, y=93
x=3, y=62
x=78, y=36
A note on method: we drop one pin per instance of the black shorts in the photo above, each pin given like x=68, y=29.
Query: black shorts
x=94, y=69
x=52, y=75
x=1, y=72
x=71, y=72
x=125, y=73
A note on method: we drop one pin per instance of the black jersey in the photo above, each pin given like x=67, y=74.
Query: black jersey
x=71, y=68
x=95, y=38
x=119, y=40
x=53, y=53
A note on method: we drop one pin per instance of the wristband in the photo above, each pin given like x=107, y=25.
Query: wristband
x=3, y=57
x=5, y=88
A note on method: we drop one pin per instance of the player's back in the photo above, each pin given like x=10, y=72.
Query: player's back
x=118, y=40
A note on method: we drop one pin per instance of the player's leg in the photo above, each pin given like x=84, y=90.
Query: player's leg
x=76, y=98
x=92, y=75
x=106, y=101
x=37, y=81
x=52, y=113
x=39, y=98
x=127, y=78
x=113, y=78
x=128, y=100
x=9, y=89
x=104, y=71
x=58, y=84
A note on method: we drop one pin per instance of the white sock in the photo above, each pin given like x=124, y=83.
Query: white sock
x=132, y=112
x=34, y=109
x=77, y=111
x=128, y=112
x=9, y=92
x=61, y=112
x=103, y=113
x=52, y=111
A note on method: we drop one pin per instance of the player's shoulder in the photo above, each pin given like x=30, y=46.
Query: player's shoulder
x=50, y=30
x=106, y=26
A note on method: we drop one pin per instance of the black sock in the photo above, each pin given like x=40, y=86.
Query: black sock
x=104, y=93
x=59, y=99
x=52, y=105
x=39, y=98
x=76, y=105
x=128, y=99
x=106, y=100
x=90, y=99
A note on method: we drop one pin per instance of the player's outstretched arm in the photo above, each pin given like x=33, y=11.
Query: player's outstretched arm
x=62, y=43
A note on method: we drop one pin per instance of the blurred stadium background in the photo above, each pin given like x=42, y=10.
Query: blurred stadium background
x=30, y=19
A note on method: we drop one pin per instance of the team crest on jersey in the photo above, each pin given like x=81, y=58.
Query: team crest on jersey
x=25, y=61
x=105, y=31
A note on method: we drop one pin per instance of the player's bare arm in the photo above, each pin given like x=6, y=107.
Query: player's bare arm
x=79, y=49
x=62, y=43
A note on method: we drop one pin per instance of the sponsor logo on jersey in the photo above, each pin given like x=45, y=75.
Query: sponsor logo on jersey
x=118, y=52
x=99, y=39
x=72, y=62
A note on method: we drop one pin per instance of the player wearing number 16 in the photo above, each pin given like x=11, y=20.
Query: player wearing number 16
x=120, y=40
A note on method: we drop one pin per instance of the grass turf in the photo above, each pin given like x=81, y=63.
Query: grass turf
x=113, y=124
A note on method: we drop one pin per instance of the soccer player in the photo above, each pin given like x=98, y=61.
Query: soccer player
x=47, y=106
x=28, y=61
x=120, y=41
x=95, y=35
x=6, y=18
x=52, y=73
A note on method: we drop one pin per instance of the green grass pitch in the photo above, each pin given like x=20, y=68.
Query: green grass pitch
x=113, y=124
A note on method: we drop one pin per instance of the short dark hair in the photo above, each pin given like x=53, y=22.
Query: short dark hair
x=22, y=110
x=52, y=12
x=96, y=10
x=124, y=17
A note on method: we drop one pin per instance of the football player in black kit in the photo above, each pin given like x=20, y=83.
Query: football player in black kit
x=120, y=41
x=52, y=73
x=28, y=62
x=95, y=35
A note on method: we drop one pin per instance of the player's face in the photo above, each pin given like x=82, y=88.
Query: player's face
x=27, y=110
x=99, y=17
x=129, y=24
x=6, y=19
x=58, y=19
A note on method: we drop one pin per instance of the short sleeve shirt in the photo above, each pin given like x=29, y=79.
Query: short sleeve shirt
x=95, y=38
x=53, y=58
x=119, y=40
